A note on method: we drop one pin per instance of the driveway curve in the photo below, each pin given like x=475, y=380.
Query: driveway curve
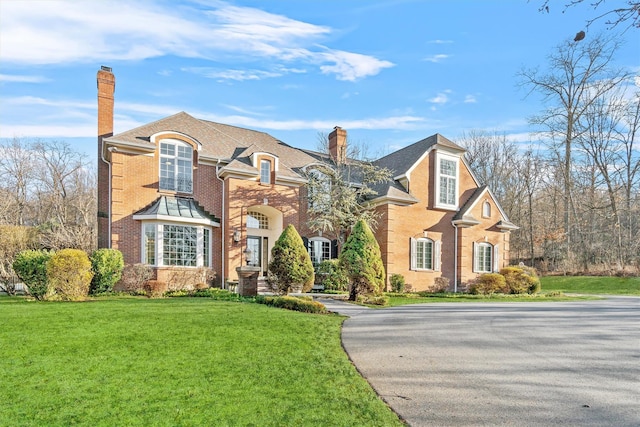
x=501, y=364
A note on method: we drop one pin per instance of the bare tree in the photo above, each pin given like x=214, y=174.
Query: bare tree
x=627, y=12
x=17, y=177
x=578, y=75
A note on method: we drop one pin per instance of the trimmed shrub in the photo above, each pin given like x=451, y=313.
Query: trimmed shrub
x=107, y=266
x=397, y=283
x=487, y=284
x=290, y=265
x=521, y=280
x=31, y=268
x=305, y=305
x=333, y=277
x=69, y=274
x=362, y=262
x=134, y=276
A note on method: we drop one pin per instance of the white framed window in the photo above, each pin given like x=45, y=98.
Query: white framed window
x=176, y=166
x=485, y=258
x=176, y=245
x=265, y=172
x=319, y=249
x=447, y=181
x=425, y=254
x=257, y=220
x=486, y=209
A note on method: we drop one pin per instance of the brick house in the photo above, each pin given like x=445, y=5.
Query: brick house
x=182, y=192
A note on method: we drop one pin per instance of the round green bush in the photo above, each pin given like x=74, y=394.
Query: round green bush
x=107, y=266
x=488, y=283
x=362, y=262
x=31, y=267
x=397, y=283
x=69, y=274
x=521, y=280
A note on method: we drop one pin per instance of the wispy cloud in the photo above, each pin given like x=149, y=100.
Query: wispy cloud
x=438, y=41
x=470, y=99
x=97, y=31
x=22, y=79
x=437, y=58
x=237, y=75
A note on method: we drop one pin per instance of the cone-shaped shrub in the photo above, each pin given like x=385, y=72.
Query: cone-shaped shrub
x=362, y=262
x=69, y=273
x=290, y=265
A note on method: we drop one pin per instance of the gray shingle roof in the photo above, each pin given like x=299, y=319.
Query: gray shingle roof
x=178, y=207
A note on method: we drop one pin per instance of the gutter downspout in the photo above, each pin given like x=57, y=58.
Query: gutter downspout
x=111, y=150
x=455, y=258
x=224, y=280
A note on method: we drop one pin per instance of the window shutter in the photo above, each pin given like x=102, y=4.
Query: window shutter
x=496, y=258
x=306, y=243
x=475, y=257
x=437, y=255
x=412, y=253
x=334, y=249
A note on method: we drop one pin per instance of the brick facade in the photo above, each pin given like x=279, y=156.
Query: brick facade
x=227, y=185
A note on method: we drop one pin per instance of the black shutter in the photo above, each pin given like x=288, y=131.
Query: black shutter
x=306, y=243
x=334, y=249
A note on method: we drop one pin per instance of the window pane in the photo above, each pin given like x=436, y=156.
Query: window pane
x=150, y=244
x=205, y=248
x=265, y=171
x=176, y=167
x=180, y=245
x=424, y=254
x=257, y=220
x=447, y=167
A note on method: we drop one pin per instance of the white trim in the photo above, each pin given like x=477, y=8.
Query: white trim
x=176, y=219
x=158, y=137
x=255, y=155
x=159, y=244
x=496, y=258
x=413, y=255
x=437, y=255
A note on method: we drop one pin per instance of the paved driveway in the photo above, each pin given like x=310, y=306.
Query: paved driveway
x=511, y=364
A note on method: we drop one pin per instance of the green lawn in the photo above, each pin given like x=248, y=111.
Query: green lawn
x=177, y=362
x=396, y=300
x=591, y=285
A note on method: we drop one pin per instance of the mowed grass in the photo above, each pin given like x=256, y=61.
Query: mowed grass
x=591, y=285
x=177, y=362
x=397, y=300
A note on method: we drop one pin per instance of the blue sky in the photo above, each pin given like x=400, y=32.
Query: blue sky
x=390, y=72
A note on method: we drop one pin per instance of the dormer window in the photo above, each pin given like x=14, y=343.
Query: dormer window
x=265, y=172
x=447, y=181
x=176, y=166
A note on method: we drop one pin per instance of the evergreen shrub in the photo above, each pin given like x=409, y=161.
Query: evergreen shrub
x=290, y=265
x=333, y=276
x=31, y=268
x=362, y=261
x=521, y=280
x=397, y=283
x=487, y=284
x=69, y=274
x=107, y=266
x=305, y=305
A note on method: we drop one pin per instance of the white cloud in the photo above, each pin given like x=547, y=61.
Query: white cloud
x=470, y=99
x=437, y=58
x=22, y=79
x=63, y=31
x=352, y=66
x=438, y=41
x=441, y=98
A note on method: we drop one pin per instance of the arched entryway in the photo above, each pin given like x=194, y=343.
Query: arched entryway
x=264, y=226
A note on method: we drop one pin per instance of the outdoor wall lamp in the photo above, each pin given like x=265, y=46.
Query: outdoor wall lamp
x=236, y=235
x=247, y=255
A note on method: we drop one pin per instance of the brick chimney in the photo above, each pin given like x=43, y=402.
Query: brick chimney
x=106, y=88
x=338, y=145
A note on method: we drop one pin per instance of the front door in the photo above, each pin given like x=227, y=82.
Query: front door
x=259, y=247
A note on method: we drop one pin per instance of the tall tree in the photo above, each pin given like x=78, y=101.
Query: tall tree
x=362, y=262
x=578, y=74
x=338, y=191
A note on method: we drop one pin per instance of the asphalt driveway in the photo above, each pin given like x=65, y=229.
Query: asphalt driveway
x=511, y=364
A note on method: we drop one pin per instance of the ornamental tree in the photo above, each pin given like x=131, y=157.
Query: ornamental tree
x=362, y=262
x=290, y=265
